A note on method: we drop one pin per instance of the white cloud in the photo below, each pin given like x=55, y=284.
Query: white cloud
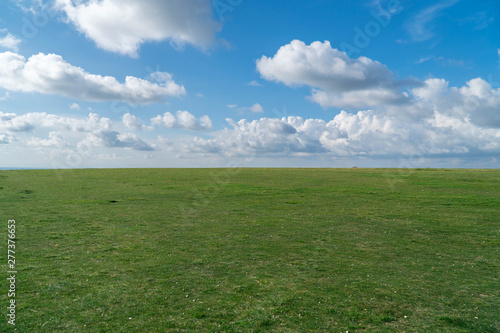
x=28, y=122
x=477, y=101
x=55, y=140
x=50, y=74
x=121, y=26
x=5, y=138
x=335, y=78
x=114, y=139
x=74, y=106
x=439, y=121
x=256, y=108
x=182, y=120
x=134, y=123
x=365, y=133
x=68, y=131
x=498, y=51
x=9, y=41
x=419, y=26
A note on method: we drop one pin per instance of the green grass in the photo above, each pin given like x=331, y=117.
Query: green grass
x=253, y=250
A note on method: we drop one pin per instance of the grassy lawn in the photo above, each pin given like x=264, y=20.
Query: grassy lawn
x=253, y=250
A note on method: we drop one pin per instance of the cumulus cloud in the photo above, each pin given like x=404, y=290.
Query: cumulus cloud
x=476, y=101
x=114, y=139
x=65, y=131
x=9, y=41
x=121, y=26
x=446, y=121
x=55, y=140
x=132, y=122
x=5, y=138
x=74, y=106
x=365, y=133
x=449, y=122
x=50, y=74
x=335, y=78
x=498, y=52
x=30, y=121
x=182, y=120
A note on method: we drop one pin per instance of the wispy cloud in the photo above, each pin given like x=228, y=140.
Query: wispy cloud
x=481, y=20
x=5, y=97
x=256, y=108
x=254, y=83
x=443, y=61
x=420, y=26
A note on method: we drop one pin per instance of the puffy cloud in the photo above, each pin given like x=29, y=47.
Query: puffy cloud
x=477, y=101
x=114, y=139
x=182, y=120
x=11, y=122
x=256, y=108
x=121, y=26
x=365, y=133
x=9, y=41
x=132, y=122
x=265, y=136
x=27, y=122
x=50, y=74
x=55, y=140
x=438, y=120
x=74, y=106
x=498, y=51
x=5, y=138
x=65, y=131
x=335, y=78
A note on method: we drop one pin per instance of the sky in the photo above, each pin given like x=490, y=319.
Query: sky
x=240, y=83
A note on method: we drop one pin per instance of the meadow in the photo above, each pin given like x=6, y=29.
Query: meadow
x=253, y=250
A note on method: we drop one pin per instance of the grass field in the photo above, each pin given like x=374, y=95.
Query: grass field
x=253, y=250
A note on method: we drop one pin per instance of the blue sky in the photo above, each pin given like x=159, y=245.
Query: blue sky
x=199, y=83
